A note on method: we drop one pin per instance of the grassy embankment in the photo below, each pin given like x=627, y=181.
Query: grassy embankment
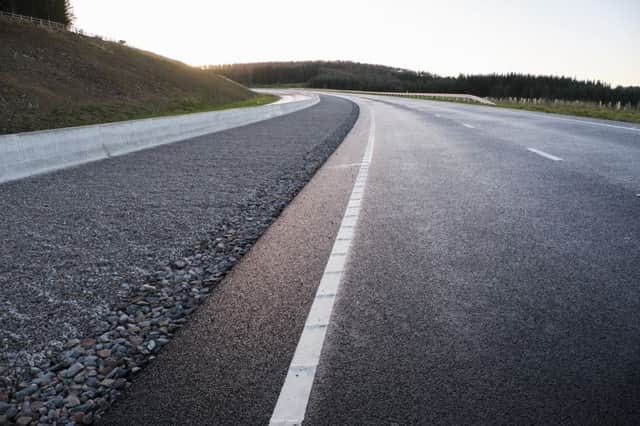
x=51, y=79
x=580, y=109
x=345, y=75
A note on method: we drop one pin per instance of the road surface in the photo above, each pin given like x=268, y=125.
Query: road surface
x=491, y=278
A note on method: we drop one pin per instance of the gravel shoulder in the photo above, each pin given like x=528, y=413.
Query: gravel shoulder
x=228, y=364
x=119, y=252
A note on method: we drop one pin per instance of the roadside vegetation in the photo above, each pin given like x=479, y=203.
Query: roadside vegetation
x=561, y=95
x=583, y=109
x=51, y=79
x=59, y=11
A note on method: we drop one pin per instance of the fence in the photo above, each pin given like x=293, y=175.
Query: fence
x=618, y=106
x=435, y=96
x=55, y=26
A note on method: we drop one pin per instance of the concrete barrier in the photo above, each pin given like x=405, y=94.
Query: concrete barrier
x=418, y=95
x=31, y=153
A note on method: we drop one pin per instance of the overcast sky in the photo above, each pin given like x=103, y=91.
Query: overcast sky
x=586, y=39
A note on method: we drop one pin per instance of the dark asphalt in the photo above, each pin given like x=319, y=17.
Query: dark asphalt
x=229, y=362
x=72, y=239
x=487, y=284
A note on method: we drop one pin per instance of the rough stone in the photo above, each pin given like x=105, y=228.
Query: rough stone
x=24, y=420
x=153, y=306
x=71, y=401
x=104, y=353
x=28, y=391
x=88, y=342
x=73, y=370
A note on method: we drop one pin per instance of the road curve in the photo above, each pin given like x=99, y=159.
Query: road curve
x=489, y=284
x=492, y=279
x=78, y=244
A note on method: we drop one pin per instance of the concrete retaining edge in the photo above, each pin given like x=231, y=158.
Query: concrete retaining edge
x=31, y=153
x=418, y=95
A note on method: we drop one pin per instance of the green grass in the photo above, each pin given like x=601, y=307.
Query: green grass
x=581, y=110
x=97, y=114
x=190, y=105
x=443, y=99
x=280, y=86
x=52, y=79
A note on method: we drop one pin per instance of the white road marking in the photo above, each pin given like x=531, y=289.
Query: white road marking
x=468, y=125
x=544, y=154
x=591, y=123
x=294, y=395
x=345, y=166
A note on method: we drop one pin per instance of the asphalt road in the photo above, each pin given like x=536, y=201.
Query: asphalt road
x=228, y=364
x=73, y=241
x=492, y=279
x=489, y=284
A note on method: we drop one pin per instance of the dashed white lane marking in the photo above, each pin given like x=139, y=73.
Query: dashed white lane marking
x=468, y=125
x=294, y=395
x=345, y=166
x=544, y=154
x=591, y=123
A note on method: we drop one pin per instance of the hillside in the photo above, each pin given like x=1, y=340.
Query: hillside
x=52, y=79
x=357, y=76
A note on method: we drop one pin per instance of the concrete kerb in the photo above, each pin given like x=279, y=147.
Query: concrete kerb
x=27, y=154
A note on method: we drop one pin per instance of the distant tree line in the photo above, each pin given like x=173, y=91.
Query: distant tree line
x=52, y=10
x=357, y=76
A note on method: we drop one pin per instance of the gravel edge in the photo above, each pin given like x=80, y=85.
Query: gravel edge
x=77, y=382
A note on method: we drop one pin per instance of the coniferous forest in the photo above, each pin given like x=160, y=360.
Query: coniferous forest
x=52, y=10
x=358, y=76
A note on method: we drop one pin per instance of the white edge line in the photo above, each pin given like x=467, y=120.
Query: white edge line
x=593, y=123
x=544, y=154
x=294, y=395
x=468, y=125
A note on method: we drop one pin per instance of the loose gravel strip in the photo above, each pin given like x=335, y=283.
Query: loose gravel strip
x=104, y=263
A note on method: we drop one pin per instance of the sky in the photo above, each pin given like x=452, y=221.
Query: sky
x=586, y=39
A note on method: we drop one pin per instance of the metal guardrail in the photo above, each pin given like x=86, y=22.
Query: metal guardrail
x=55, y=26
x=436, y=96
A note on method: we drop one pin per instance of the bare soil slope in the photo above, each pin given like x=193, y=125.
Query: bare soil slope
x=52, y=79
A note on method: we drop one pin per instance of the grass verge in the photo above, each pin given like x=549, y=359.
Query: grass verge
x=83, y=115
x=592, y=111
x=580, y=110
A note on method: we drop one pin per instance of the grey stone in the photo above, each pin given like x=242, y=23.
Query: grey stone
x=151, y=345
x=24, y=420
x=73, y=370
x=71, y=401
x=107, y=382
x=28, y=391
x=12, y=411
x=73, y=342
x=56, y=402
x=104, y=353
x=90, y=361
